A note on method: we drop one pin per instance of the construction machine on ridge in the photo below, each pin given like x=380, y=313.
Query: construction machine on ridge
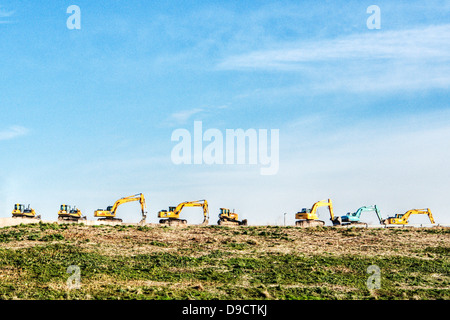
x=20, y=211
x=228, y=218
x=172, y=217
x=110, y=213
x=353, y=218
x=69, y=213
x=402, y=218
x=309, y=217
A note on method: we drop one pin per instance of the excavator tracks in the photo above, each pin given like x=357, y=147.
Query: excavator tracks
x=173, y=222
x=179, y=222
x=309, y=223
x=337, y=222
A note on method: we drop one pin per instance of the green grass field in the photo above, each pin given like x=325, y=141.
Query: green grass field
x=212, y=262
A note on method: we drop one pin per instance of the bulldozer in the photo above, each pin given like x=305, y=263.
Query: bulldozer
x=110, y=213
x=309, y=217
x=228, y=218
x=20, y=211
x=404, y=217
x=353, y=218
x=172, y=217
x=69, y=213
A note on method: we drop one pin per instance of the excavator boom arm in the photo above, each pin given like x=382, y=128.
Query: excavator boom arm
x=137, y=197
x=369, y=208
x=198, y=203
x=323, y=203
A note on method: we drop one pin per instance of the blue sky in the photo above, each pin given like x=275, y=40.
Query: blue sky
x=87, y=115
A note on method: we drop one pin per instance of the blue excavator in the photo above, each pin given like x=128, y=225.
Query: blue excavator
x=353, y=218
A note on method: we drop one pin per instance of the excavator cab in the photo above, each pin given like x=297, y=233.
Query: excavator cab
x=163, y=212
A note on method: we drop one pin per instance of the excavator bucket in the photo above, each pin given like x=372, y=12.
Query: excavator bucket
x=205, y=221
x=143, y=220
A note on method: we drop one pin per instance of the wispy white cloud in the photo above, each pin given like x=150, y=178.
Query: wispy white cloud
x=422, y=44
x=5, y=14
x=13, y=132
x=372, y=61
x=181, y=117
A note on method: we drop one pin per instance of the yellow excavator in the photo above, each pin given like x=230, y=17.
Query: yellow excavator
x=110, y=213
x=20, y=211
x=172, y=217
x=402, y=218
x=309, y=218
x=69, y=213
x=228, y=218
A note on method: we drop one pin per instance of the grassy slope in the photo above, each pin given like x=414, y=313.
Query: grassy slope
x=212, y=262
